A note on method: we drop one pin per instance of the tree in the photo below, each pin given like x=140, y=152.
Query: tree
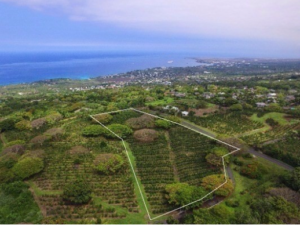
x=174, y=119
x=182, y=193
x=273, y=107
x=201, y=104
x=211, y=182
x=163, y=124
x=27, y=167
x=292, y=179
x=121, y=130
x=215, y=157
x=23, y=125
x=6, y=125
x=217, y=215
x=77, y=192
x=236, y=107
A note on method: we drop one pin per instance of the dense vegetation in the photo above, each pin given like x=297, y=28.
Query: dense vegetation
x=57, y=165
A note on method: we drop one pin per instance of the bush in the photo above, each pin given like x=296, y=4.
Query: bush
x=78, y=192
x=94, y=131
x=27, y=167
x=121, y=130
x=163, y=124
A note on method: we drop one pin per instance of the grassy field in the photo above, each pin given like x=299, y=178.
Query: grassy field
x=279, y=117
x=165, y=101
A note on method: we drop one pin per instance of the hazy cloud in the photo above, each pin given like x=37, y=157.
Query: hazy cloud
x=243, y=19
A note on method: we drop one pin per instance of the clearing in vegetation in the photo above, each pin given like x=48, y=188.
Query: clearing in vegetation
x=173, y=165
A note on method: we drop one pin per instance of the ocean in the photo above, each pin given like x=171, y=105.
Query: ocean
x=18, y=68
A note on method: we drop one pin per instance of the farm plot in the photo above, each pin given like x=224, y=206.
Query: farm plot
x=190, y=150
x=228, y=124
x=65, y=163
x=166, y=154
x=274, y=133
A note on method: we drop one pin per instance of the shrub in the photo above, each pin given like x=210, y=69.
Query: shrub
x=27, y=167
x=122, y=130
x=94, y=131
x=163, y=124
x=145, y=135
x=108, y=163
x=77, y=192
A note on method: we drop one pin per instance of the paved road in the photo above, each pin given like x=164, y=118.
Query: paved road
x=270, y=159
x=230, y=174
x=250, y=150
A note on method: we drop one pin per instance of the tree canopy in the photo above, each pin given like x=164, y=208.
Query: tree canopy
x=182, y=193
x=77, y=192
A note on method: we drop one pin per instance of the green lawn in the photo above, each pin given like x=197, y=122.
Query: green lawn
x=279, y=117
x=210, y=105
x=165, y=101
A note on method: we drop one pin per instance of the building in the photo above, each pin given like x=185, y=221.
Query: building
x=261, y=104
x=184, y=113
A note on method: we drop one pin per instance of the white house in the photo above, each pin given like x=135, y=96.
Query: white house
x=184, y=113
x=261, y=104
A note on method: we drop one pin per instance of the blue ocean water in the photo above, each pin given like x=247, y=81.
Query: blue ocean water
x=28, y=67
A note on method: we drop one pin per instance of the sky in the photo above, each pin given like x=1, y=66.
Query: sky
x=244, y=28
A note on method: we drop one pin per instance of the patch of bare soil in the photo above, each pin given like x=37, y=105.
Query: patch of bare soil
x=201, y=112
